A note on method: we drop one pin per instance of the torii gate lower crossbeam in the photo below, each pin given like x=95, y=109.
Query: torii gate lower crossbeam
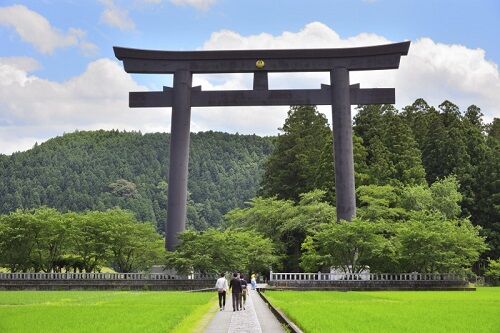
x=340, y=94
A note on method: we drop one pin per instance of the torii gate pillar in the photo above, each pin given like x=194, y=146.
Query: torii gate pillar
x=342, y=144
x=179, y=157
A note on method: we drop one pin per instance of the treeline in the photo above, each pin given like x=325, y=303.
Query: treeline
x=99, y=170
x=399, y=228
x=414, y=228
x=415, y=146
x=45, y=240
x=412, y=234
x=441, y=142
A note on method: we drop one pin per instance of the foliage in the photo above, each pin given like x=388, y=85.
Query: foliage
x=391, y=311
x=379, y=202
x=47, y=240
x=123, y=188
x=214, y=251
x=399, y=203
x=393, y=155
x=303, y=158
x=427, y=245
x=431, y=244
x=102, y=311
x=352, y=246
x=448, y=143
x=33, y=240
x=285, y=222
x=445, y=197
x=493, y=271
x=485, y=206
x=133, y=246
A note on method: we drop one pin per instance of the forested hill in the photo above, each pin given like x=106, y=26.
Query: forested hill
x=101, y=169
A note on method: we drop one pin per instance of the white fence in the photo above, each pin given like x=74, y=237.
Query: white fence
x=103, y=276
x=366, y=277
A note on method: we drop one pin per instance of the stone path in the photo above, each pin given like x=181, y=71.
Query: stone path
x=256, y=318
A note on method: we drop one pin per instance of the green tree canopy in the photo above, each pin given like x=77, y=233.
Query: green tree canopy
x=45, y=239
x=352, y=246
x=393, y=155
x=214, y=251
x=303, y=158
x=431, y=244
x=427, y=245
x=285, y=222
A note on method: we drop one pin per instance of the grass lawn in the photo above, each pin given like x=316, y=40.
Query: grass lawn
x=392, y=311
x=102, y=311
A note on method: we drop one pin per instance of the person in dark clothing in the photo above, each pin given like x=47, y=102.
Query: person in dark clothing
x=235, y=287
x=244, y=290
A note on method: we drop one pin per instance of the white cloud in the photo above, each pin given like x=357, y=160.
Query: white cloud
x=34, y=109
x=198, y=4
x=35, y=29
x=433, y=71
x=116, y=17
x=26, y=64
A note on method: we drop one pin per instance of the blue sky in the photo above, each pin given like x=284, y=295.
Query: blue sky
x=58, y=72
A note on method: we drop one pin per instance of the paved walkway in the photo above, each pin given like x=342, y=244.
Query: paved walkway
x=256, y=318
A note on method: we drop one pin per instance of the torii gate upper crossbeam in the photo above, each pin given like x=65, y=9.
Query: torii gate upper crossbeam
x=243, y=61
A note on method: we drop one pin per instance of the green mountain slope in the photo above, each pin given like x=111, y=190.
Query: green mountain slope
x=101, y=169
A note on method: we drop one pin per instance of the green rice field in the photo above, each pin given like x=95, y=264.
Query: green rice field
x=392, y=311
x=102, y=311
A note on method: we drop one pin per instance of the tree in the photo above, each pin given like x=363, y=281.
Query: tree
x=444, y=149
x=45, y=239
x=134, y=246
x=32, y=240
x=52, y=240
x=303, y=158
x=214, y=251
x=287, y=223
x=486, y=210
x=389, y=202
x=445, y=197
x=393, y=155
x=416, y=198
x=123, y=188
x=379, y=202
x=90, y=238
x=474, y=116
x=430, y=244
x=493, y=271
x=419, y=117
x=18, y=236
x=352, y=246
x=427, y=243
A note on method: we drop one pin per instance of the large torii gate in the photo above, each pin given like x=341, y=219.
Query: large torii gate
x=339, y=94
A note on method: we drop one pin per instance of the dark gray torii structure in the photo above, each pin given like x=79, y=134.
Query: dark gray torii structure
x=340, y=94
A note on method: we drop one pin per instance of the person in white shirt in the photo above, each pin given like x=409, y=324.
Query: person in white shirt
x=221, y=287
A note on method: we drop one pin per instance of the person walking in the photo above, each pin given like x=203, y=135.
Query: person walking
x=221, y=286
x=235, y=287
x=244, y=290
x=253, y=281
